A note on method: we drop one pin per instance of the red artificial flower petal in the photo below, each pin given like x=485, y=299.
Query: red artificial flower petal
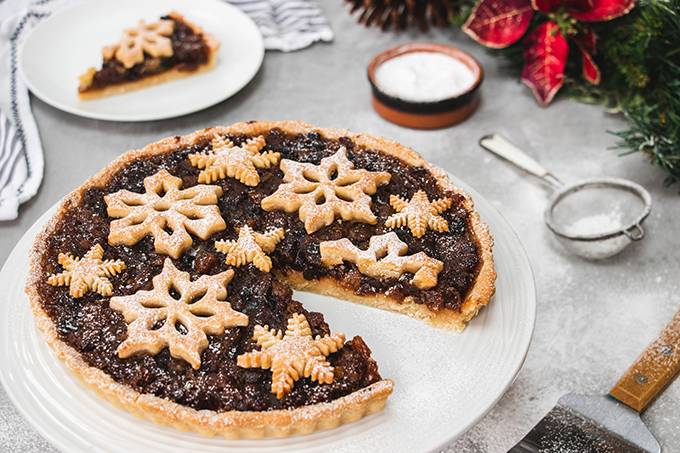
x=578, y=5
x=591, y=72
x=499, y=23
x=546, y=6
x=545, y=57
x=587, y=40
x=603, y=10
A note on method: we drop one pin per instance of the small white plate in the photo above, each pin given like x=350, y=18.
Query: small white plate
x=445, y=382
x=63, y=46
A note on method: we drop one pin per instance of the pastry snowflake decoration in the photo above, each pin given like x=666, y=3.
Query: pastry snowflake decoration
x=239, y=162
x=152, y=38
x=251, y=247
x=419, y=214
x=90, y=272
x=322, y=193
x=177, y=313
x=384, y=258
x=293, y=355
x=166, y=212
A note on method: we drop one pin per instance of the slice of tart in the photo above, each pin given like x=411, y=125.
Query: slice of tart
x=149, y=54
x=164, y=281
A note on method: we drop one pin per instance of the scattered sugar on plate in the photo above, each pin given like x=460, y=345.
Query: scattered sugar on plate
x=424, y=77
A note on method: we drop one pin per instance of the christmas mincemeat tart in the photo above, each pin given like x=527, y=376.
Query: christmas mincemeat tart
x=149, y=54
x=162, y=282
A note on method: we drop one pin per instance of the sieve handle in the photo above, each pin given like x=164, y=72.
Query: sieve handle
x=501, y=147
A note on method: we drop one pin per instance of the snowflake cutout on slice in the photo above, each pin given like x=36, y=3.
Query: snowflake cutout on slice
x=293, y=355
x=384, y=258
x=166, y=212
x=153, y=39
x=419, y=214
x=239, y=162
x=178, y=314
x=321, y=193
x=87, y=273
x=251, y=247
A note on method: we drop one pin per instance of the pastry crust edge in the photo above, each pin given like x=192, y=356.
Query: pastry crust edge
x=157, y=79
x=231, y=424
x=261, y=424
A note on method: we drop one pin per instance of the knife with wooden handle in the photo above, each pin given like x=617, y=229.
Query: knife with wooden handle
x=611, y=423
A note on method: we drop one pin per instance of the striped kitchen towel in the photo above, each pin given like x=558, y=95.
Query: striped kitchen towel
x=286, y=25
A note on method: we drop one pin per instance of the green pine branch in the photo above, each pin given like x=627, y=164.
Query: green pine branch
x=639, y=56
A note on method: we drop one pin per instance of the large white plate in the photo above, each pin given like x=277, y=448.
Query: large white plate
x=445, y=382
x=63, y=46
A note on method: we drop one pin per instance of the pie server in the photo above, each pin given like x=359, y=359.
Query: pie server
x=611, y=423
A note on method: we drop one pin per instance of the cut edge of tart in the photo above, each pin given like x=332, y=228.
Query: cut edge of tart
x=273, y=423
x=86, y=92
x=479, y=294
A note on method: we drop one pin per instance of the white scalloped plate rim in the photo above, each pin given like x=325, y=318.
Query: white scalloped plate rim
x=53, y=76
x=422, y=414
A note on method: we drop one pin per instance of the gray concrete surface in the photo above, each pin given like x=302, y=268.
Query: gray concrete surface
x=593, y=318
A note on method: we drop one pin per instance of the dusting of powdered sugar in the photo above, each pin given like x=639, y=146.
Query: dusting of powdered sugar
x=596, y=224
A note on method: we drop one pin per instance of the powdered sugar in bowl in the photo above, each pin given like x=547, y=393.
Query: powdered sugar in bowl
x=425, y=86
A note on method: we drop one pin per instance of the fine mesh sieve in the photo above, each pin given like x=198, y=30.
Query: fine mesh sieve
x=594, y=218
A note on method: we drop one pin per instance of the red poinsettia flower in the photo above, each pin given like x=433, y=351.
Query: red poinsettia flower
x=500, y=23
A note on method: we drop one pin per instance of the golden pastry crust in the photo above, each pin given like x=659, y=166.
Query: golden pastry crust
x=89, y=273
x=156, y=79
x=251, y=247
x=164, y=203
x=293, y=354
x=225, y=160
x=281, y=423
x=345, y=196
x=385, y=257
x=210, y=314
x=152, y=38
x=419, y=214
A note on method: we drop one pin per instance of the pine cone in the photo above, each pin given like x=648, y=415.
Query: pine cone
x=402, y=14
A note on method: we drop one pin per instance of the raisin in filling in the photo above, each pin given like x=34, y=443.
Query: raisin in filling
x=95, y=330
x=189, y=51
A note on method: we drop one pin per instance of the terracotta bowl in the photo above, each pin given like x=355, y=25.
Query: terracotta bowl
x=426, y=115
